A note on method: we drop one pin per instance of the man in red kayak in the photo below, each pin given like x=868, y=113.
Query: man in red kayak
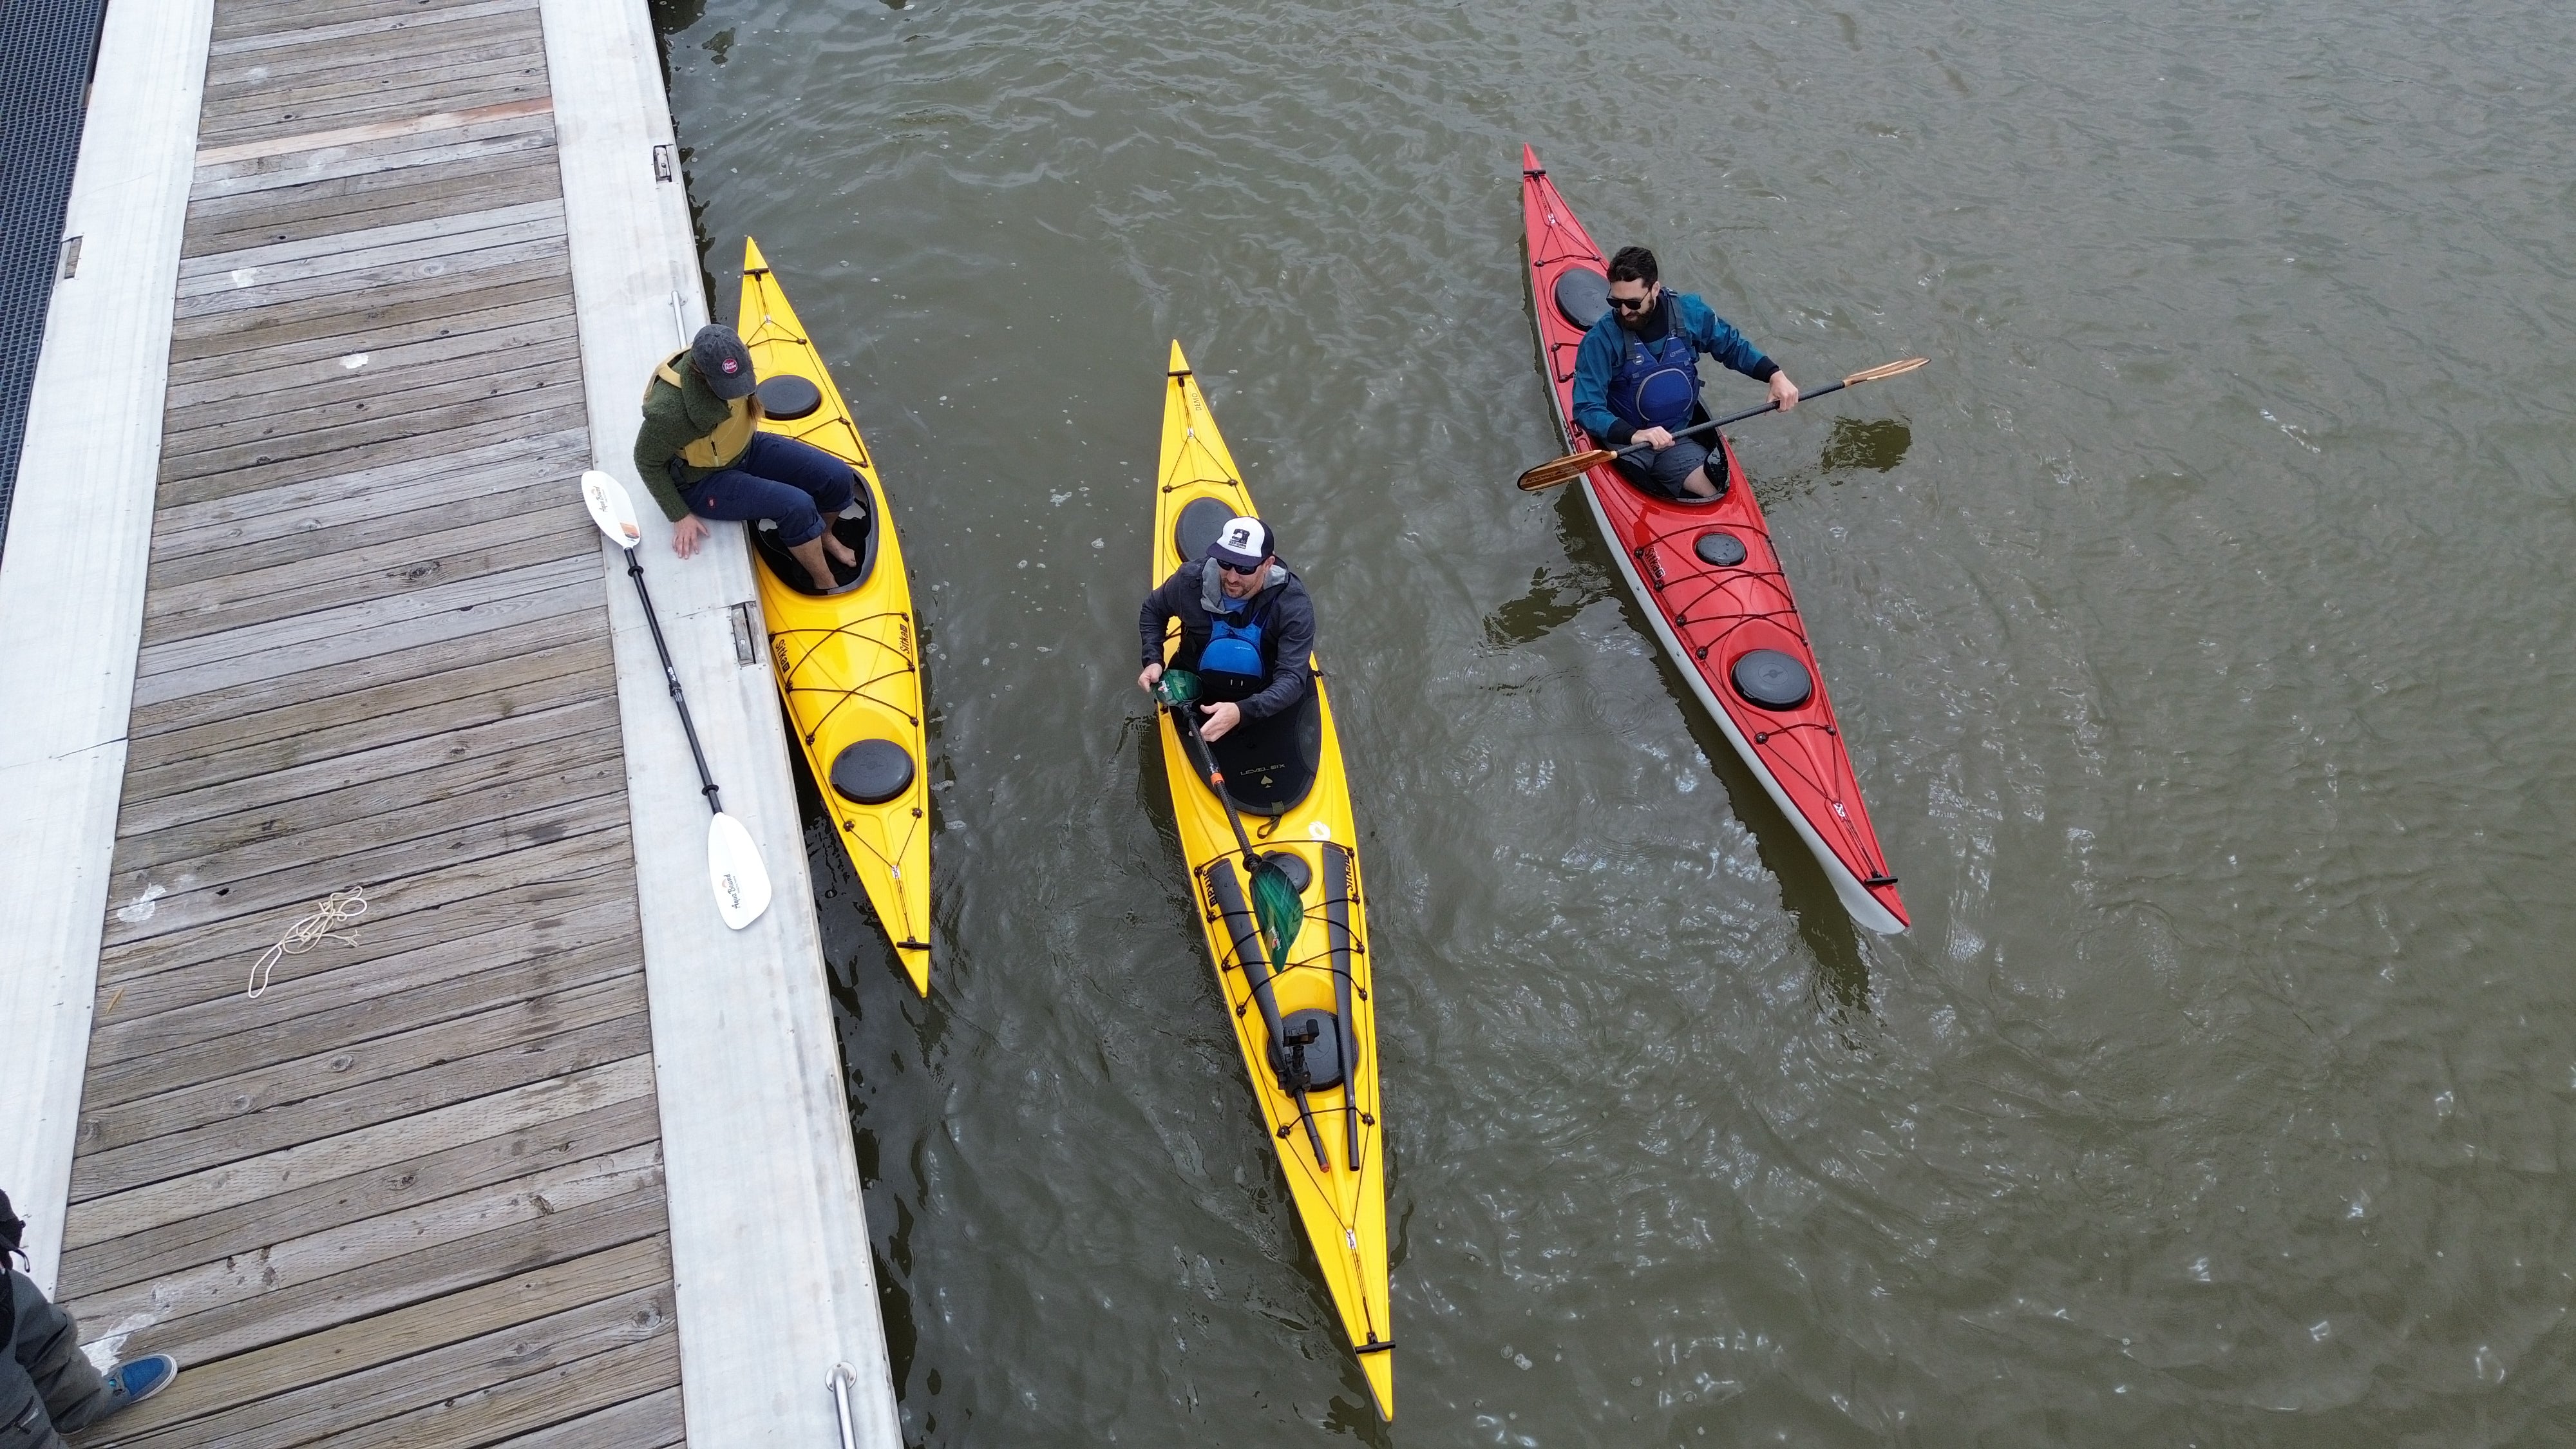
x=1636, y=379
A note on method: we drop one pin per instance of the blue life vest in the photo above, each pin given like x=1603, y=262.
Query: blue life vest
x=1657, y=383
x=1231, y=665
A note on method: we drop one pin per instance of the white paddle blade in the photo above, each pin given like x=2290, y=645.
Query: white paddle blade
x=611, y=509
x=734, y=865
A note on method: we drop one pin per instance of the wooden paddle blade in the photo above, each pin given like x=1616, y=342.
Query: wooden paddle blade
x=1888, y=370
x=734, y=867
x=610, y=508
x=1564, y=470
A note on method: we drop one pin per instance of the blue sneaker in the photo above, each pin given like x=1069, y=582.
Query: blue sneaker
x=133, y=1382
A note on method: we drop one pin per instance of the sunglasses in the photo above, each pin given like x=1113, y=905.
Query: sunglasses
x=1244, y=571
x=1633, y=304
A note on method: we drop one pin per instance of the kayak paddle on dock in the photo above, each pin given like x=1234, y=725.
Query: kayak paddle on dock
x=734, y=866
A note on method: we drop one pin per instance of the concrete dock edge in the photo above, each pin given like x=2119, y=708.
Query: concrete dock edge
x=769, y=1234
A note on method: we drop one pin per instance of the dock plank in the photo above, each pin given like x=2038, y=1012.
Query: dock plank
x=466, y=550
x=348, y=1348
x=264, y=284
x=212, y=661
x=254, y=910
x=462, y=184
x=468, y=795
x=250, y=467
x=271, y=67
x=458, y=501
x=368, y=1149
x=328, y=1013
x=503, y=135
x=338, y=325
x=651, y=1422
x=373, y=1399
x=327, y=208
x=388, y=714
x=282, y=510
x=175, y=1133
x=391, y=1200
x=403, y=268
x=348, y=679
x=275, y=431
x=315, y=34
x=569, y=943
x=195, y=268
x=556, y=721
x=435, y=98
x=237, y=18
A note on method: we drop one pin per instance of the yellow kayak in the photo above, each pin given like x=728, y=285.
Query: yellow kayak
x=1286, y=775
x=848, y=662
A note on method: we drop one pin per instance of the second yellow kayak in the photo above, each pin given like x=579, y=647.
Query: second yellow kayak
x=1298, y=810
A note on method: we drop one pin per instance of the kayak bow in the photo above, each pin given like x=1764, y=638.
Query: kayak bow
x=1712, y=587
x=847, y=662
x=1314, y=1072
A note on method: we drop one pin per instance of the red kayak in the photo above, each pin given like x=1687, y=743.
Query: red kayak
x=1713, y=588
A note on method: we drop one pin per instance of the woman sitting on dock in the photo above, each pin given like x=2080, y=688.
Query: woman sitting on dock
x=702, y=453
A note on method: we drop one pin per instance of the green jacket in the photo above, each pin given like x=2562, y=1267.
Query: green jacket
x=675, y=417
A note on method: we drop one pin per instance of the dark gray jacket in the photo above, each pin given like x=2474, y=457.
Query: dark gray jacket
x=1287, y=634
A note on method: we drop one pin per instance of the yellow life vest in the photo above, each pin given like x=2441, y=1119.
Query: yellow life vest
x=731, y=436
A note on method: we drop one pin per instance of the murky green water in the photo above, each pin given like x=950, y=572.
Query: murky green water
x=2200, y=621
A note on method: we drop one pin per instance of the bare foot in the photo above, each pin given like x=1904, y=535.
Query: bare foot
x=840, y=552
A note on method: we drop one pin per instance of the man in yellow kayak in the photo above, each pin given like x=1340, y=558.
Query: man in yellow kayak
x=1247, y=629
x=702, y=453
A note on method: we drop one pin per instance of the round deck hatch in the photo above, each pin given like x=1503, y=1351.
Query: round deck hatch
x=872, y=772
x=788, y=397
x=1772, y=680
x=1719, y=547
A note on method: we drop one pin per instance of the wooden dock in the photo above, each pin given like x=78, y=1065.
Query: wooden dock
x=411, y=1193
x=415, y=1190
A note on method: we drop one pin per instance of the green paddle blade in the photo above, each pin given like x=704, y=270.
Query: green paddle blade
x=1276, y=905
x=1176, y=687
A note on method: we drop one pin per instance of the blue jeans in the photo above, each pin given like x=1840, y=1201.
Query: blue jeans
x=794, y=485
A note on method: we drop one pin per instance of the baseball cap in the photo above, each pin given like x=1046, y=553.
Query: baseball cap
x=720, y=358
x=1243, y=542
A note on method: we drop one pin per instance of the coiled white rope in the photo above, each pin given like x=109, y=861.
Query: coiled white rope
x=323, y=925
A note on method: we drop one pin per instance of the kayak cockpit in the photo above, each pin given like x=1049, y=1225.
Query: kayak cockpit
x=786, y=397
x=1270, y=764
x=854, y=528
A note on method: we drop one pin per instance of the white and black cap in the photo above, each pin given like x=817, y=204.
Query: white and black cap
x=720, y=358
x=1243, y=542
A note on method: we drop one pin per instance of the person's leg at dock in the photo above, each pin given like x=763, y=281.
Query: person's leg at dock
x=794, y=485
x=48, y=1387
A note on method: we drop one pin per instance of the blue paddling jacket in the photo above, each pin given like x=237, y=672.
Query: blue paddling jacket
x=1617, y=390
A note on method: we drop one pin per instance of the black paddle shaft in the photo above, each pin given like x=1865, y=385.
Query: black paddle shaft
x=1633, y=448
x=706, y=782
x=1207, y=762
